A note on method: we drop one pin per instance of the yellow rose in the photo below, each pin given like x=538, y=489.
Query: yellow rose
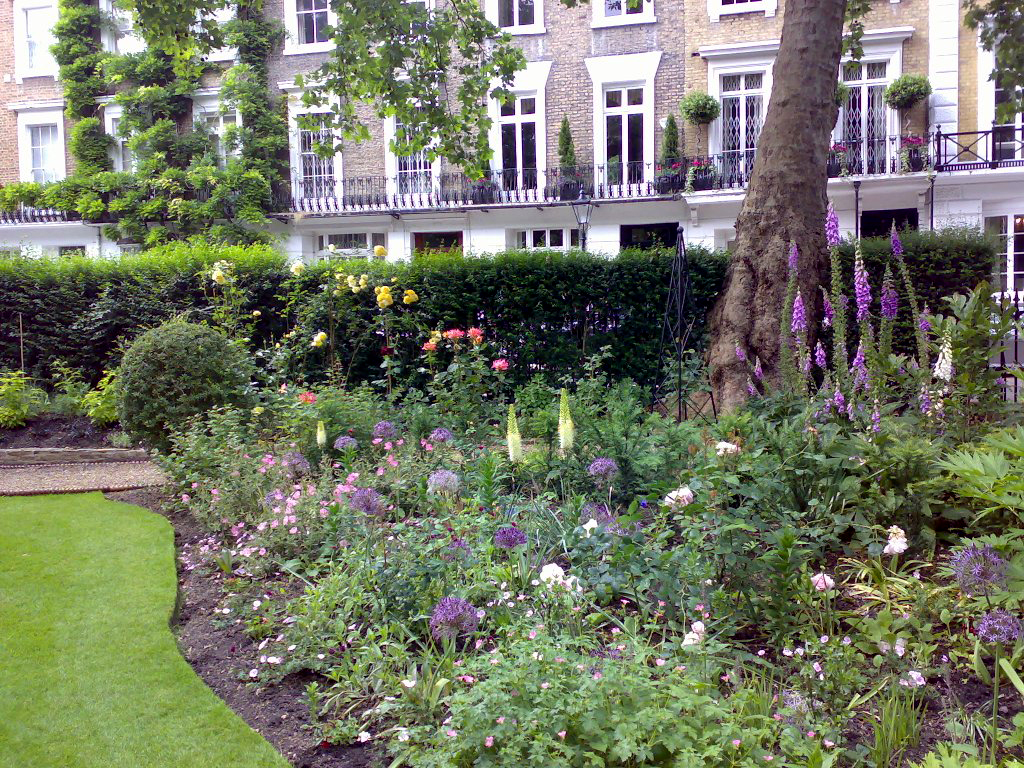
x=380, y=251
x=410, y=297
x=256, y=313
x=384, y=300
x=319, y=339
x=298, y=268
x=218, y=277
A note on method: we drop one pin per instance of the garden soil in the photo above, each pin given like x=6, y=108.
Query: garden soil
x=55, y=431
x=220, y=656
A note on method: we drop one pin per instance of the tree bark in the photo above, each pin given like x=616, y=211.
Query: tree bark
x=786, y=200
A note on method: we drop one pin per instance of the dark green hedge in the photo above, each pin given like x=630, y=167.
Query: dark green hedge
x=940, y=264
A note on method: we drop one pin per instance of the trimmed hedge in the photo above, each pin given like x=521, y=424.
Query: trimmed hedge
x=940, y=264
x=545, y=311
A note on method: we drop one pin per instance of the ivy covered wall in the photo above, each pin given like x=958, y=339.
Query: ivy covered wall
x=179, y=183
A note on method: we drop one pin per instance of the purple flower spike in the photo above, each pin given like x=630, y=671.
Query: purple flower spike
x=829, y=313
x=876, y=419
x=758, y=370
x=859, y=370
x=832, y=226
x=838, y=400
x=890, y=301
x=794, y=256
x=740, y=354
x=1000, y=627
x=894, y=238
x=751, y=389
x=860, y=286
x=799, y=323
x=923, y=322
x=820, y=358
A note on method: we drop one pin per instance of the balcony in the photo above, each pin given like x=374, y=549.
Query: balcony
x=422, y=190
x=28, y=215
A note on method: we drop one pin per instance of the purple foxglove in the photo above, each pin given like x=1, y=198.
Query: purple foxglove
x=794, y=255
x=820, y=358
x=923, y=322
x=894, y=238
x=799, y=322
x=832, y=226
x=758, y=371
x=838, y=400
x=858, y=369
x=829, y=313
x=890, y=301
x=740, y=354
x=861, y=288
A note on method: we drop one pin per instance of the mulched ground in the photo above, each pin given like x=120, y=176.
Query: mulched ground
x=221, y=655
x=55, y=431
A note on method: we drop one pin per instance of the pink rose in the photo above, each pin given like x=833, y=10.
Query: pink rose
x=501, y=364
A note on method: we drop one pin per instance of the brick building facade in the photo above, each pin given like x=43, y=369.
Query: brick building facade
x=616, y=70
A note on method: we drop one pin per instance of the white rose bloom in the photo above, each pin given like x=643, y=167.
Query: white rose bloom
x=698, y=627
x=679, y=498
x=692, y=638
x=552, y=574
x=723, y=448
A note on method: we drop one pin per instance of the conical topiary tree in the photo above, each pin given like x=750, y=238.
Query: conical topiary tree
x=670, y=143
x=566, y=147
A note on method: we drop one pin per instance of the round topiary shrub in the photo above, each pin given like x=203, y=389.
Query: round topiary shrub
x=699, y=108
x=174, y=372
x=907, y=91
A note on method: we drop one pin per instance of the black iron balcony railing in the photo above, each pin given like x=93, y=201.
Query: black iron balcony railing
x=26, y=214
x=1000, y=147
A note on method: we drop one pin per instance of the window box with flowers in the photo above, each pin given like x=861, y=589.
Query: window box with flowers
x=837, y=161
x=670, y=178
x=483, y=192
x=701, y=175
x=912, y=154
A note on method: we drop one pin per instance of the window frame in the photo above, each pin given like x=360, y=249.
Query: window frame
x=206, y=105
x=119, y=151
x=123, y=29
x=599, y=19
x=22, y=67
x=36, y=115
x=529, y=82
x=292, y=46
x=493, y=14
x=717, y=9
x=528, y=234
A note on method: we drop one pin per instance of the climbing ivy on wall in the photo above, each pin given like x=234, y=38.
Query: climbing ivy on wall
x=179, y=185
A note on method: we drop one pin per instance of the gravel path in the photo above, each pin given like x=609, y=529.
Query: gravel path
x=73, y=478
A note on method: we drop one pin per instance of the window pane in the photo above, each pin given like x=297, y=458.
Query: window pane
x=613, y=99
x=539, y=238
x=851, y=71
x=754, y=80
x=613, y=7
x=527, y=106
x=731, y=82
x=507, y=108
x=521, y=239
x=525, y=12
x=529, y=140
x=635, y=96
x=635, y=126
x=876, y=69
x=634, y=6
x=556, y=238
x=509, y=157
x=613, y=146
x=574, y=238
x=505, y=11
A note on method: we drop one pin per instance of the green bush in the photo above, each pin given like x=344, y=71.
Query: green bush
x=19, y=399
x=699, y=108
x=174, y=372
x=100, y=403
x=906, y=91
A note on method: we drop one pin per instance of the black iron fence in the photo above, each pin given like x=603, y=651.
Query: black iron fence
x=26, y=214
x=1011, y=358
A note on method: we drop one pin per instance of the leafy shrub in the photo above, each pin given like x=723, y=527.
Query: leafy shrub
x=699, y=108
x=906, y=91
x=19, y=399
x=100, y=403
x=173, y=372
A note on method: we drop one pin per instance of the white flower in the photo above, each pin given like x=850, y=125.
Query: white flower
x=589, y=527
x=698, y=627
x=914, y=680
x=692, y=638
x=823, y=582
x=409, y=683
x=723, y=448
x=897, y=543
x=552, y=574
x=364, y=736
x=943, y=369
x=297, y=268
x=679, y=498
x=402, y=734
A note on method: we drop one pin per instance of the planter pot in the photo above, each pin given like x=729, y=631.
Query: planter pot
x=569, y=189
x=667, y=184
x=915, y=160
x=483, y=195
x=703, y=180
x=834, y=168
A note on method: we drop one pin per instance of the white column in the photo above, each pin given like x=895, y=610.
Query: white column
x=943, y=64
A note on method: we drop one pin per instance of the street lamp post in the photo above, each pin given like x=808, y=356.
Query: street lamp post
x=582, y=208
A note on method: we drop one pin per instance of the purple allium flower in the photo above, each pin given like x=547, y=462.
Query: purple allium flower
x=453, y=617
x=296, y=462
x=829, y=313
x=740, y=354
x=758, y=370
x=509, y=537
x=832, y=226
x=859, y=370
x=603, y=470
x=861, y=288
x=978, y=570
x=346, y=443
x=799, y=322
x=820, y=358
x=441, y=435
x=443, y=482
x=890, y=301
x=794, y=256
x=384, y=430
x=999, y=626
x=367, y=501
x=458, y=547
x=894, y=238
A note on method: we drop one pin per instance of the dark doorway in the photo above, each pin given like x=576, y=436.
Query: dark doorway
x=647, y=235
x=879, y=223
x=436, y=241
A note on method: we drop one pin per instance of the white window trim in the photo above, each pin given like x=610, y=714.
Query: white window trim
x=207, y=102
x=391, y=160
x=767, y=7
x=758, y=62
x=21, y=68
x=295, y=110
x=600, y=21
x=537, y=28
x=110, y=36
x=292, y=46
x=228, y=52
x=635, y=69
x=49, y=112
x=531, y=81
x=112, y=112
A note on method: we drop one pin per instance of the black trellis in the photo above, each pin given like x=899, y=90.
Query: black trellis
x=676, y=332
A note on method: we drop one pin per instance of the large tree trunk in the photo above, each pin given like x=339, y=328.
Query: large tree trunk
x=786, y=200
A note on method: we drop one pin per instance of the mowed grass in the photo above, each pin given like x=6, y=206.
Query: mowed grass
x=90, y=674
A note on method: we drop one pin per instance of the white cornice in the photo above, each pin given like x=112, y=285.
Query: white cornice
x=729, y=50
x=30, y=106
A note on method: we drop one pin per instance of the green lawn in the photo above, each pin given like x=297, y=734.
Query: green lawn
x=89, y=671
